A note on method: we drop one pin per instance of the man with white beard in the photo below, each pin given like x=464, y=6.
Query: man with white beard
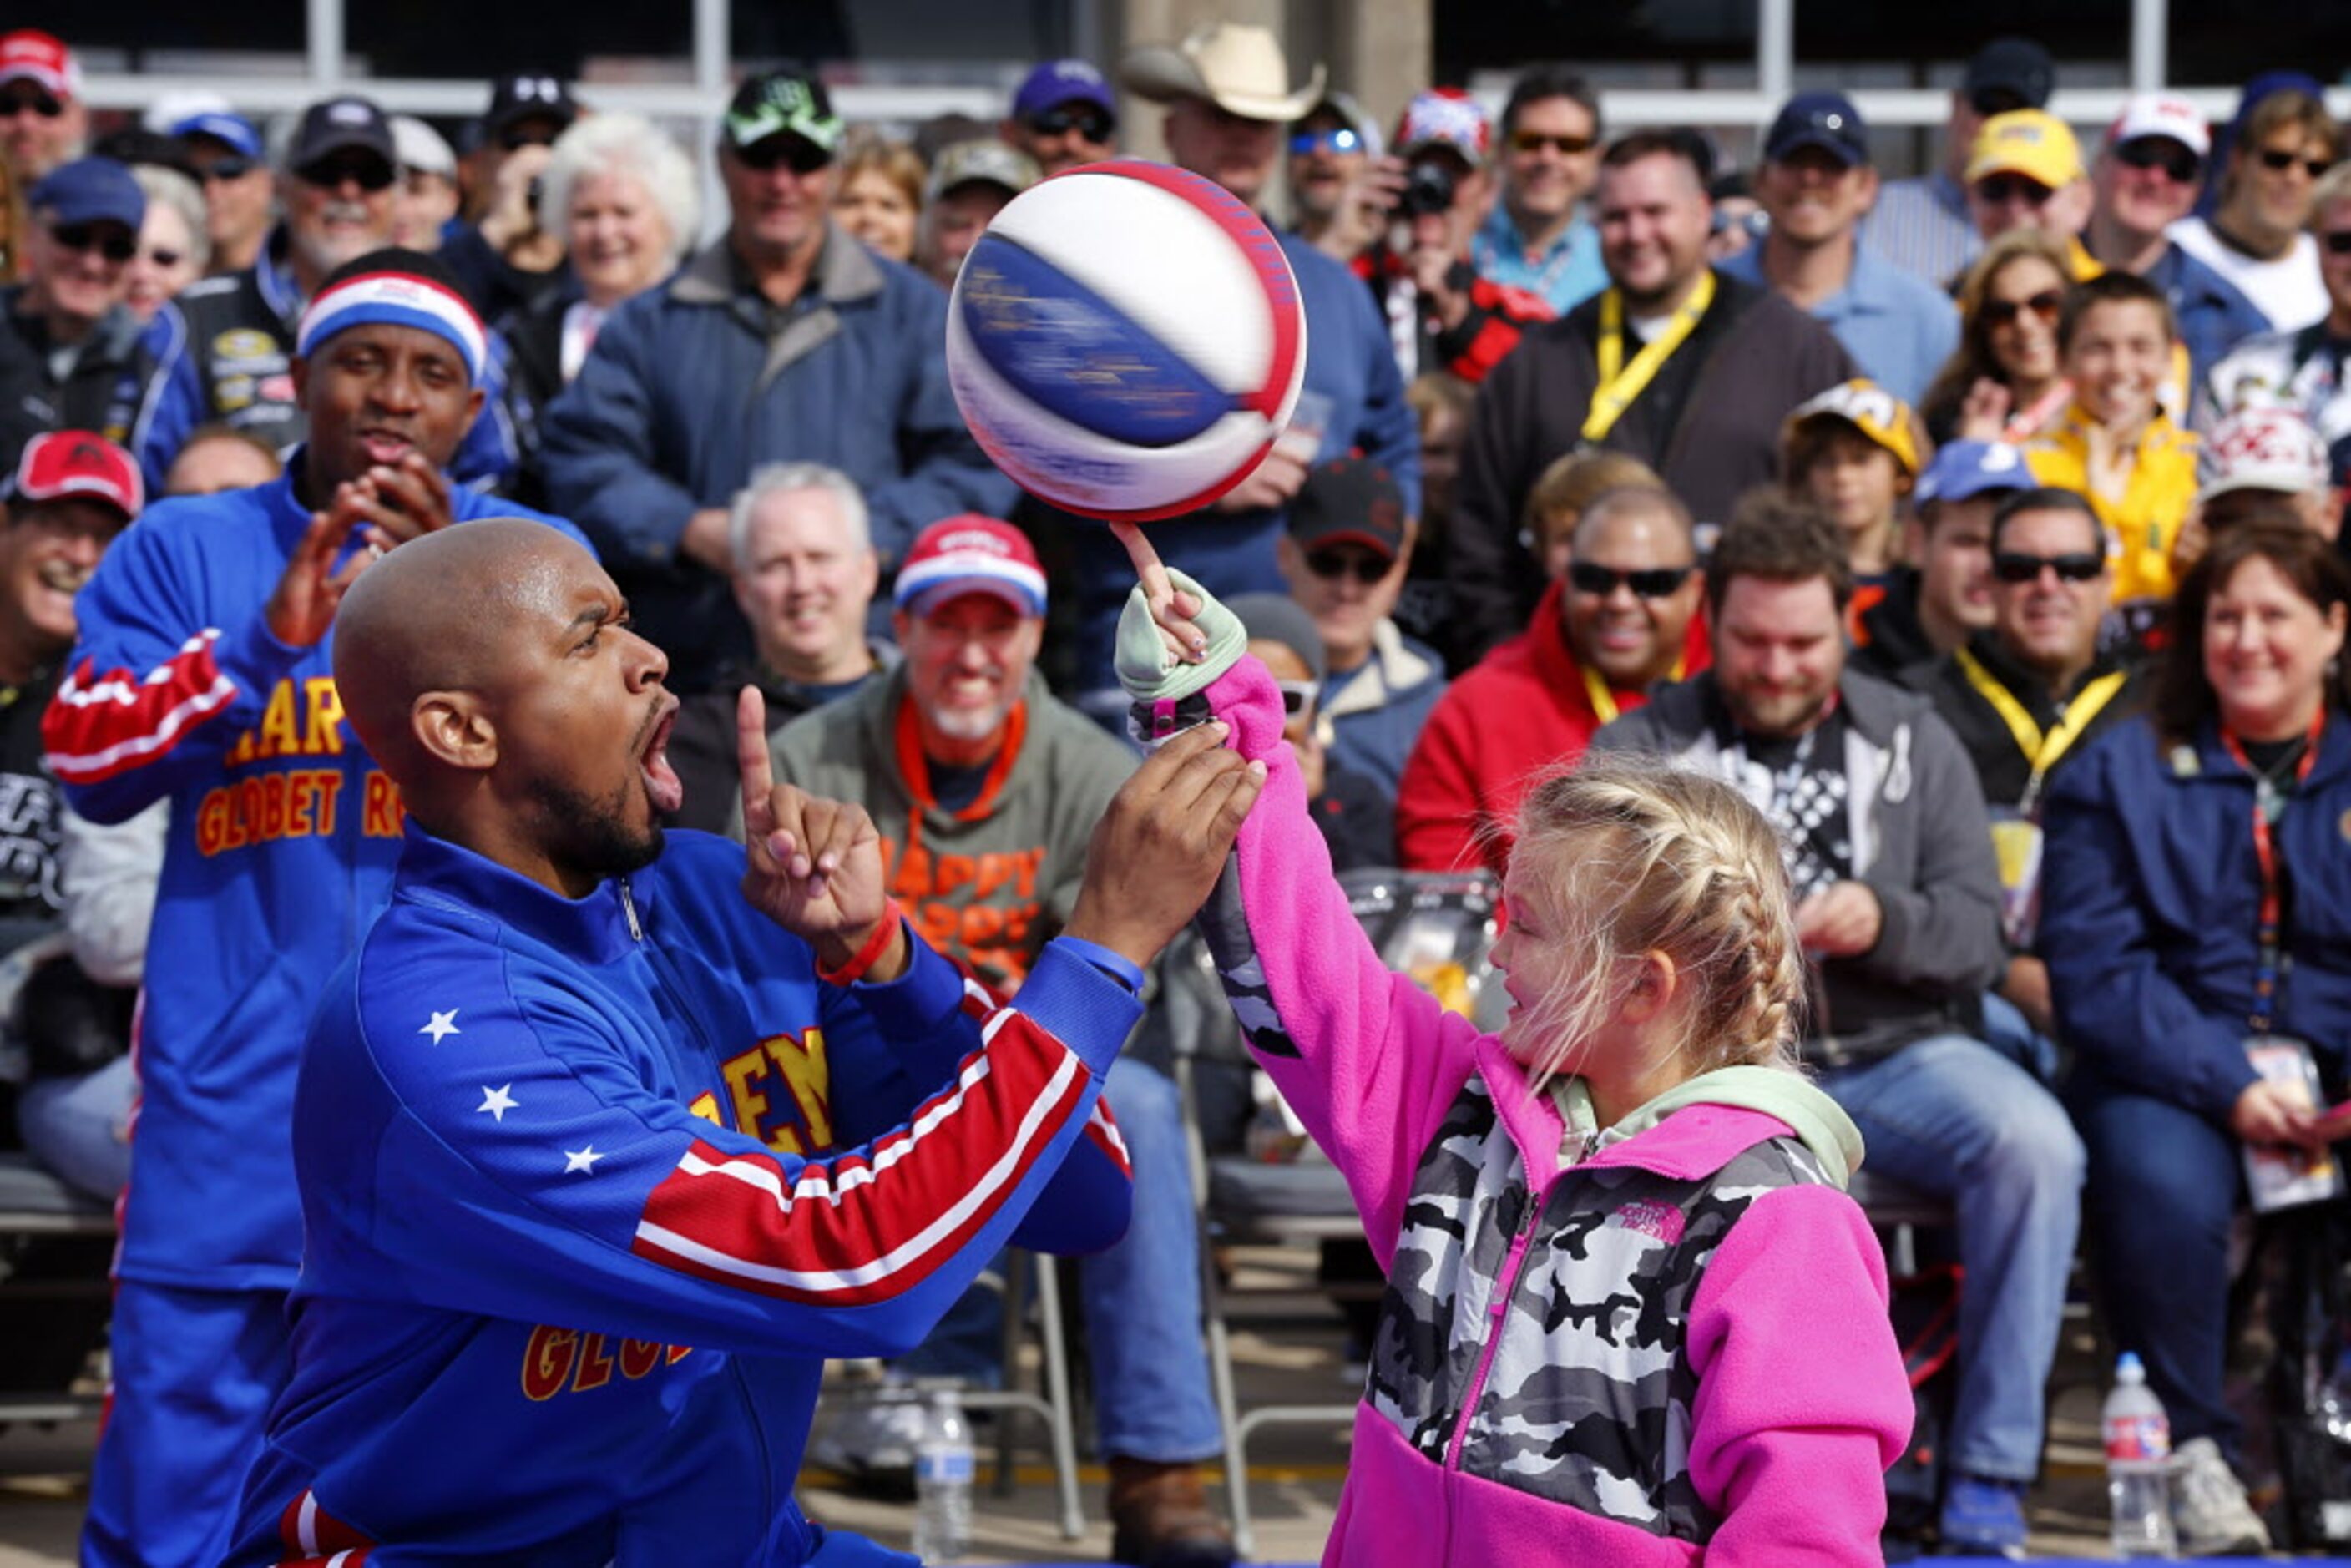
x=222, y=352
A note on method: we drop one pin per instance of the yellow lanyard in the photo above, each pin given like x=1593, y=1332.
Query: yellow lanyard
x=2041, y=750
x=1620, y=383
x=1604, y=700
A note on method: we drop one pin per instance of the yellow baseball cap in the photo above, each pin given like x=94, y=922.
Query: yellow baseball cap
x=1870, y=409
x=2033, y=142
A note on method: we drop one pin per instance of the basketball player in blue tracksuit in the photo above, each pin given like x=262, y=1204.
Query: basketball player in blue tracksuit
x=201, y=675
x=560, y=1301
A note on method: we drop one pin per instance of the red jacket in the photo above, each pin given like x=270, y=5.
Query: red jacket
x=1523, y=712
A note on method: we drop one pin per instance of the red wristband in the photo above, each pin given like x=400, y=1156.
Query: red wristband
x=849, y=974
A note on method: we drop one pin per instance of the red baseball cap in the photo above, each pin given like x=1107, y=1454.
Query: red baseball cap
x=59, y=465
x=970, y=554
x=29, y=54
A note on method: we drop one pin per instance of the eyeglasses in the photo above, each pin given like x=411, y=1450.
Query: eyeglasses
x=2004, y=312
x=1535, y=141
x=2336, y=242
x=226, y=169
x=1091, y=123
x=329, y=173
x=2277, y=160
x=1366, y=568
x=1298, y=697
x=2079, y=566
x=45, y=104
x=1338, y=140
x=796, y=153
x=1649, y=583
x=165, y=258
x=2000, y=190
x=2180, y=164
x=113, y=245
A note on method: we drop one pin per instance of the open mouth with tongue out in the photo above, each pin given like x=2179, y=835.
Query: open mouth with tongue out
x=662, y=786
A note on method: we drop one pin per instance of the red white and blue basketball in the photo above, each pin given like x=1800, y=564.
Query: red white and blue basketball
x=1126, y=340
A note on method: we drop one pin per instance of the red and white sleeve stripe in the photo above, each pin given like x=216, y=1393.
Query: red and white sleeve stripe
x=860, y=1228
x=100, y=726
x=315, y=1539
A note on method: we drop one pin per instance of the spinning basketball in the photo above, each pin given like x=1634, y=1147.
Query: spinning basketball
x=1126, y=340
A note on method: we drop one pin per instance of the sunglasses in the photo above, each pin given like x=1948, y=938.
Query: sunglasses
x=165, y=258
x=1091, y=123
x=43, y=104
x=2073, y=566
x=1366, y=569
x=114, y=245
x=1651, y=583
x=1535, y=141
x=2004, y=312
x=369, y=174
x=2336, y=242
x=1298, y=697
x=2000, y=190
x=226, y=169
x=2179, y=164
x=2278, y=161
x=796, y=153
x=1340, y=139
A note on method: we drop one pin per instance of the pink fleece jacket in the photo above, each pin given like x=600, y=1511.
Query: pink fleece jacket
x=1674, y=1351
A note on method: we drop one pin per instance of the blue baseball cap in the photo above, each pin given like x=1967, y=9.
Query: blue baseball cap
x=1965, y=469
x=1057, y=82
x=234, y=132
x=89, y=191
x=1828, y=121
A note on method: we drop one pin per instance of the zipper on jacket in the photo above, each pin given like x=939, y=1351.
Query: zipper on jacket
x=628, y=907
x=1506, y=1286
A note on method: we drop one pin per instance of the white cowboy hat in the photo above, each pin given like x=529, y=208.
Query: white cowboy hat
x=1238, y=68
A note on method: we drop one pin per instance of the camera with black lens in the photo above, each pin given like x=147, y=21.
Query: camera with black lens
x=1428, y=188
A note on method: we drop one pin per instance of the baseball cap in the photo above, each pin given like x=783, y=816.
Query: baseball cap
x=528, y=95
x=2028, y=141
x=231, y=130
x=1236, y=66
x=1445, y=117
x=783, y=101
x=1352, y=115
x=1057, y=82
x=1870, y=409
x=2160, y=114
x=1349, y=500
x=27, y=54
x=2017, y=66
x=80, y=463
x=1278, y=618
x=2260, y=449
x=1968, y=468
x=970, y=554
x=982, y=161
x=334, y=124
x=89, y=191
x=420, y=147
x=1828, y=121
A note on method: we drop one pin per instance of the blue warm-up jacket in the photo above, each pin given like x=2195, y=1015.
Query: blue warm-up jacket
x=566, y=1291
x=282, y=840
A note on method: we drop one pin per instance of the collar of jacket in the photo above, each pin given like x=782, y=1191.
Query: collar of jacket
x=595, y=929
x=1392, y=668
x=2026, y=684
x=844, y=271
x=112, y=336
x=2208, y=758
x=273, y=275
x=1877, y=710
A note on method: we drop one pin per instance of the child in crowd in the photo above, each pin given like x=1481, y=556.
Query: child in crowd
x=1561, y=492
x=1857, y=450
x=1632, y=1316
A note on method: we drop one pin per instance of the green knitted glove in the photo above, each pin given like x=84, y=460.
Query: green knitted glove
x=1149, y=672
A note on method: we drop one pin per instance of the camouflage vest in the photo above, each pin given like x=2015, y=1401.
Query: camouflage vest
x=1586, y=1398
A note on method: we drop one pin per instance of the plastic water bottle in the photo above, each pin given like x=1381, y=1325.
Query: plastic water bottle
x=2139, y=1465
x=943, y=1481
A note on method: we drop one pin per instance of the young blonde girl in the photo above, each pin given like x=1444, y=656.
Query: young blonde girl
x=1632, y=1317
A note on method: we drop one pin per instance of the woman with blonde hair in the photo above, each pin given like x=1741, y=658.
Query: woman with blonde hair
x=879, y=195
x=1632, y=1315
x=2004, y=383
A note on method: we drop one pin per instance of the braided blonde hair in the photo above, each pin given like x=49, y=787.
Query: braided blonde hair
x=1628, y=856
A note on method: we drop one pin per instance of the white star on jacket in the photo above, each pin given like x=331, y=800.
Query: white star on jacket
x=497, y=1102
x=441, y=1025
x=580, y=1160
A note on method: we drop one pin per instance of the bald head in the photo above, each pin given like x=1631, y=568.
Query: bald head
x=443, y=613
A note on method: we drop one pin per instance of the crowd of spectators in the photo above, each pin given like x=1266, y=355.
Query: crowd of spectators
x=1982, y=527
